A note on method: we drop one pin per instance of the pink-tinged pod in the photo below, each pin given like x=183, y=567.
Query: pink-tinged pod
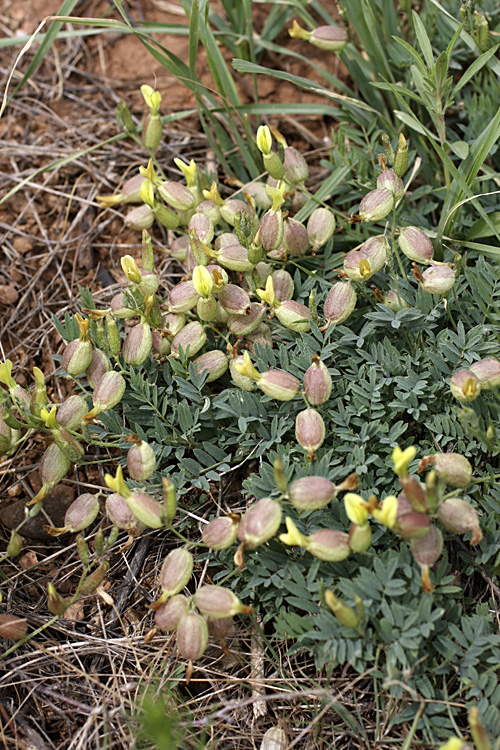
x=182, y=297
x=138, y=344
x=173, y=323
x=53, y=467
x=426, y=551
x=362, y=264
x=339, y=303
x=146, y=509
x=168, y=615
x=207, y=309
x=279, y=385
x=320, y=227
x=161, y=344
x=209, y=209
x=235, y=258
x=390, y=181
x=214, y=361
x=202, y=226
x=459, y=517
x=179, y=248
x=109, y=392
x=437, y=280
x=259, y=193
x=271, y=230
x=415, y=493
x=360, y=537
x=233, y=207
x=119, y=309
x=141, y=461
x=329, y=38
x=221, y=533
x=311, y=493
x=242, y=381
x=71, y=412
x=456, y=470
x=77, y=356
x=394, y=301
x=139, y=218
x=317, y=383
x=261, y=273
x=121, y=516
x=149, y=283
x=176, y=195
x=310, y=431
x=192, y=636
x=260, y=522
x=329, y=545
x=242, y=325
x=410, y=524
x=193, y=336
x=176, y=571
x=226, y=239
x=234, y=300
x=465, y=385
x=81, y=513
x=262, y=335
x=295, y=166
x=487, y=372
x=295, y=237
x=415, y=245
x=282, y=284
x=219, y=602
x=294, y=315
x=99, y=365
x=376, y=204
x=13, y=628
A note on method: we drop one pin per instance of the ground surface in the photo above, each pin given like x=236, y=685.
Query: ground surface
x=76, y=683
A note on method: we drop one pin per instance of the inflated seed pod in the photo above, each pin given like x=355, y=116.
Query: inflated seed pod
x=214, y=361
x=167, y=616
x=109, y=391
x=320, y=227
x=235, y=258
x=141, y=461
x=437, y=280
x=465, y=385
x=455, y=469
x=209, y=209
x=317, y=382
x=376, y=204
x=392, y=182
x=182, y=297
x=295, y=166
x=242, y=325
x=203, y=226
x=121, y=516
x=138, y=344
x=13, y=628
x=77, y=356
x=6, y=435
x=260, y=522
x=329, y=545
x=234, y=300
x=410, y=524
x=310, y=430
x=191, y=338
x=176, y=195
x=99, y=365
x=282, y=284
x=71, y=412
x=426, y=551
x=176, y=571
x=329, y=38
x=279, y=385
x=119, y=309
x=139, y=218
x=459, y=517
x=54, y=466
x=339, y=303
x=415, y=245
x=219, y=602
x=487, y=372
x=233, y=207
x=146, y=509
x=81, y=513
x=311, y=493
x=221, y=533
x=362, y=264
x=192, y=635
x=271, y=230
x=262, y=335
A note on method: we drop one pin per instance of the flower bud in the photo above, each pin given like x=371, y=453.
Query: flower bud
x=339, y=303
x=99, y=365
x=295, y=166
x=311, y=493
x=310, y=430
x=139, y=218
x=53, y=467
x=459, y=517
x=271, y=230
x=242, y=325
x=376, y=205
x=362, y=264
x=455, y=469
x=214, y=361
x=175, y=572
x=279, y=385
x=437, y=280
x=232, y=207
x=346, y=615
x=294, y=315
x=121, y=516
x=410, y=524
x=168, y=615
x=401, y=156
x=77, y=356
x=141, y=461
x=192, y=636
x=221, y=533
x=465, y=385
x=390, y=181
x=235, y=300
x=260, y=522
x=176, y=195
x=317, y=382
x=13, y=628
x=202, y=226
x=219, y=602
x=329, y=545
x=182, y=297
x=138, y=344
x=190, y=337
x=487, y=372
x=415, y=244
x=235, y=258
x=360, y=537
x=320, y=227
x=426, y=551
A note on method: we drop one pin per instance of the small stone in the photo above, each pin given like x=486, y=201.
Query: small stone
x=54, y=509
x=22, y=245
x=8, y=294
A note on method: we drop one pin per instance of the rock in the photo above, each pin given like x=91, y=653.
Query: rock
x=53, y=510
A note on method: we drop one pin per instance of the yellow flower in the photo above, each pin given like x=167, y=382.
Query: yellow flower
x=454, y=743
x=49, y=417
x=213, y=195
x=151, y=97
x=117, y=483
x=356, y=509
x=293, y=537
x=264, y=140
x=147, y=193
x=386, y=512
x=188, y=170
x=277, y=195
x=402, y=459
x=202, y=281
x=6, y=374
x=268, y=294
x=297, y=32
x=246, y=367
x=131, y=269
